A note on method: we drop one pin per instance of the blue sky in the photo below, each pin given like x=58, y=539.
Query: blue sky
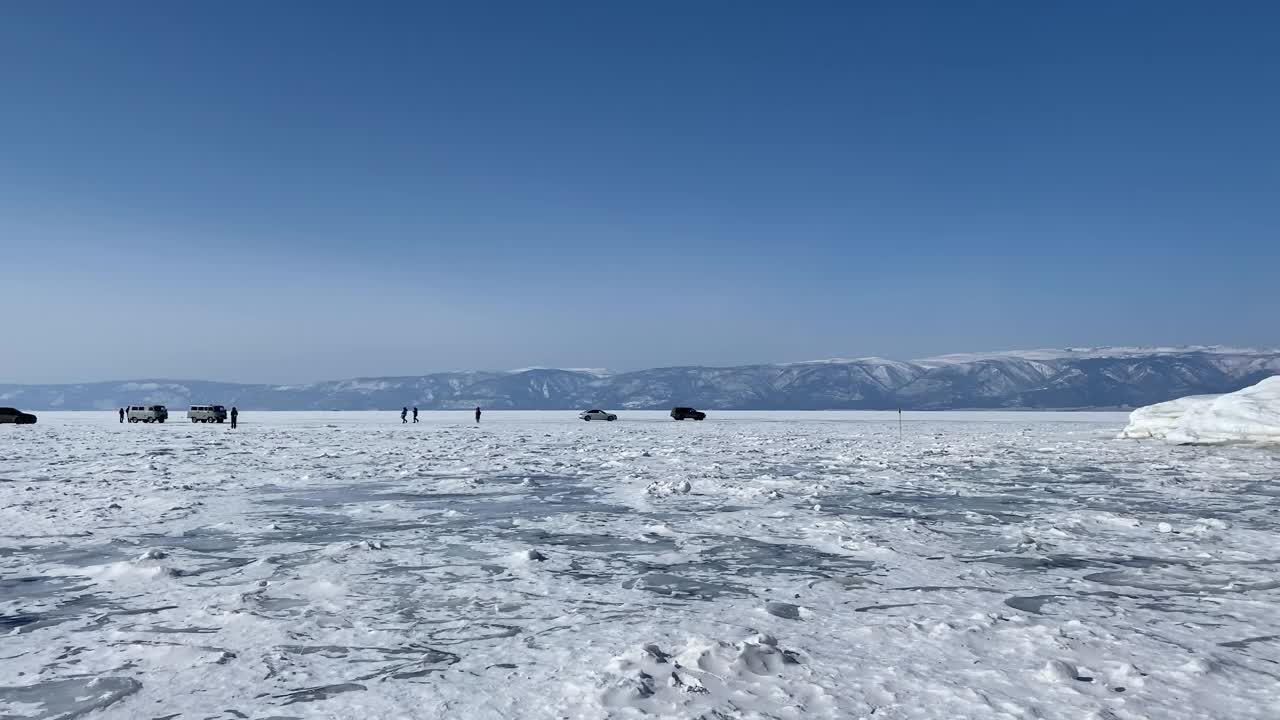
x=296, y=191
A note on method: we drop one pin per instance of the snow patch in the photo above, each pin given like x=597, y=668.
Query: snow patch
x=666, y=488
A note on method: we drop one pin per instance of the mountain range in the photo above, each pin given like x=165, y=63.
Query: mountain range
x=1072, y=378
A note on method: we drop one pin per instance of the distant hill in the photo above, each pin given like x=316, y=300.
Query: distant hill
x=1074, y=378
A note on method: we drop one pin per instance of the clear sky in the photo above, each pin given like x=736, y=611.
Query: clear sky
x=292, y=191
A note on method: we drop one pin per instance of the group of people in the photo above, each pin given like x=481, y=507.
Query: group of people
x=404, y=414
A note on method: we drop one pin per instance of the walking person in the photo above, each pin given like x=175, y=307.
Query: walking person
x=477, y=414
x=415, y=414
x=404, y=412
x=235, y=415
x=121, y=414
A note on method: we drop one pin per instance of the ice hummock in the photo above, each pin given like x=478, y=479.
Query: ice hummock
x=1251, y=415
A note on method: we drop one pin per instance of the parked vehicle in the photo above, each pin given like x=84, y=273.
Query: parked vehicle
x=597, y=415
x=148, y=413
x=207, y=413
x=16, y=416
x=683, y=413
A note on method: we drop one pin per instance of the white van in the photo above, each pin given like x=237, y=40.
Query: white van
x=148, y=413
x=207, y=413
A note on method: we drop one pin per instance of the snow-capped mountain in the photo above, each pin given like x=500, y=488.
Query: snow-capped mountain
x=1069, y=378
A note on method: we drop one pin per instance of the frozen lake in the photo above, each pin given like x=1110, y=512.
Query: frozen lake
x=343, y=565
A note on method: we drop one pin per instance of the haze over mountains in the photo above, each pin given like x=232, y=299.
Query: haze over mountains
x=1074, y=378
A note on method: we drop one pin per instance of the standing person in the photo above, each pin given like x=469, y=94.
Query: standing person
x=121, y=414
x=235, y=415
x=415, y=414
x=404, y=412
x=477, y=414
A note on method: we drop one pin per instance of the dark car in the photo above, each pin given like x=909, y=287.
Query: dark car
x=682, y=413
x=13, y=415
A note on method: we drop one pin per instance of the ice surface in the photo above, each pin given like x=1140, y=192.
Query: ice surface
x=756, y=565
x=1251, y=415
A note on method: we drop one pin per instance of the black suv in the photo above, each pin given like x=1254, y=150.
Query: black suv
x=13, y=415
x=681, y=413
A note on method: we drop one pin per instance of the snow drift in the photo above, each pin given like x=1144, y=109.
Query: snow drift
x=1251, y=415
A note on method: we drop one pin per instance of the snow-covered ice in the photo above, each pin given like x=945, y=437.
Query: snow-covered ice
x=1251, y=415
x=756, y=565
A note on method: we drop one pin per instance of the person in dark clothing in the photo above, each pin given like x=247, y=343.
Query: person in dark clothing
x=477, y=413
x=404, y=412
x=121, y=414
x=235, y=415
x=415, y=414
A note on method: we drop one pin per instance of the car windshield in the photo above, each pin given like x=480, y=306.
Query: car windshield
x=218, y=407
